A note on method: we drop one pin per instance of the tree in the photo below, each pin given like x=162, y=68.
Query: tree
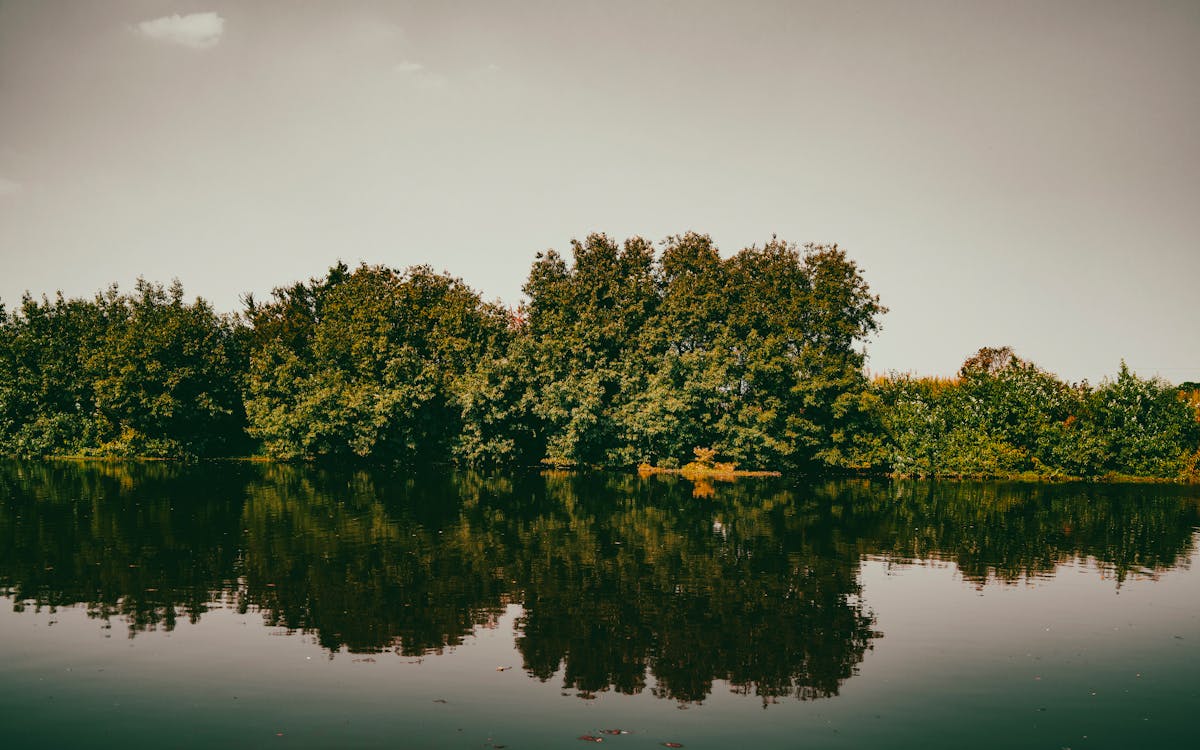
x=1148, y=428
x=47, y=399
x=168, y=376
x=642, y=361
x=1003, y=415
x=585, y=322
x=367, y=364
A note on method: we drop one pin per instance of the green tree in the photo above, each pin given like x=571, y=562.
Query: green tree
x=637, y=359
x=1149, y=429
x=168, y=376
x=47, y=395
x=584, y=325
x=368, y=364
x=1003, y=415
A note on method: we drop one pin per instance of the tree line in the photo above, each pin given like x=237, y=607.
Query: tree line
x=619, y=356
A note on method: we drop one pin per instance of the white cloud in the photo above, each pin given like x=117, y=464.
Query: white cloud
x=420, y=77
x=8, y=187
x=195, y=30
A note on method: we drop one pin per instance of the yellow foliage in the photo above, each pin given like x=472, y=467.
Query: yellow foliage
x=1192, y=399
x=934, y=382
x=704, y=456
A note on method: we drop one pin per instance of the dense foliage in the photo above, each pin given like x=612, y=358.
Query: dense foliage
x=619, y=356
x=367, y=364
x=1004, y=416
x=634, y=358
x=129, y=374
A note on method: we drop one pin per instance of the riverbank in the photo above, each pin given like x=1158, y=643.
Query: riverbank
x=694, y=471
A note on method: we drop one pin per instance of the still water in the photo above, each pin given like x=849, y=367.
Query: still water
x=249, y=605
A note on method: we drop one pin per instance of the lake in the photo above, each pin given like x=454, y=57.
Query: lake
x=260, y=605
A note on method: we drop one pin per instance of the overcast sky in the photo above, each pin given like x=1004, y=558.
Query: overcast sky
x=1005, y=173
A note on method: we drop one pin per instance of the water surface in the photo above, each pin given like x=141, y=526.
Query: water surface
x=249, y=605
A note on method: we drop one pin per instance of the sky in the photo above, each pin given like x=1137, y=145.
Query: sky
x=1004, y=173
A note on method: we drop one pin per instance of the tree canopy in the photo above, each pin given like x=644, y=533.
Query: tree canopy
x=144, y=373
x=621, y=354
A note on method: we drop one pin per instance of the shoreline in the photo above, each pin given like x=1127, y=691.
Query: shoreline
x=691, y=472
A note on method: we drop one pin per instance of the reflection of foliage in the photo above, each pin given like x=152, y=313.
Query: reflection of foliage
x=628, y=583
x=147, y=542
x=1010, y=532
x=658, y=584
x=327, y=553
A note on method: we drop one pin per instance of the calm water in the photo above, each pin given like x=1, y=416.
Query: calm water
x=244, y=605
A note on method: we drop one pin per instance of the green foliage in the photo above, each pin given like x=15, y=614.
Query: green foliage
x=1004, y=416
x=641, y=360
x=167, y=377
x=47, y=399
x=374, y=363
x=620, y=356
x=1149, y=430
x=584, y=356
x=137, y=374
x=496, y=409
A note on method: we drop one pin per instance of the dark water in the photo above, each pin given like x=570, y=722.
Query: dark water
x=244, y=605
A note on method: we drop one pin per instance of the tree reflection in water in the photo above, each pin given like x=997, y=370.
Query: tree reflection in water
x=627, y=583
